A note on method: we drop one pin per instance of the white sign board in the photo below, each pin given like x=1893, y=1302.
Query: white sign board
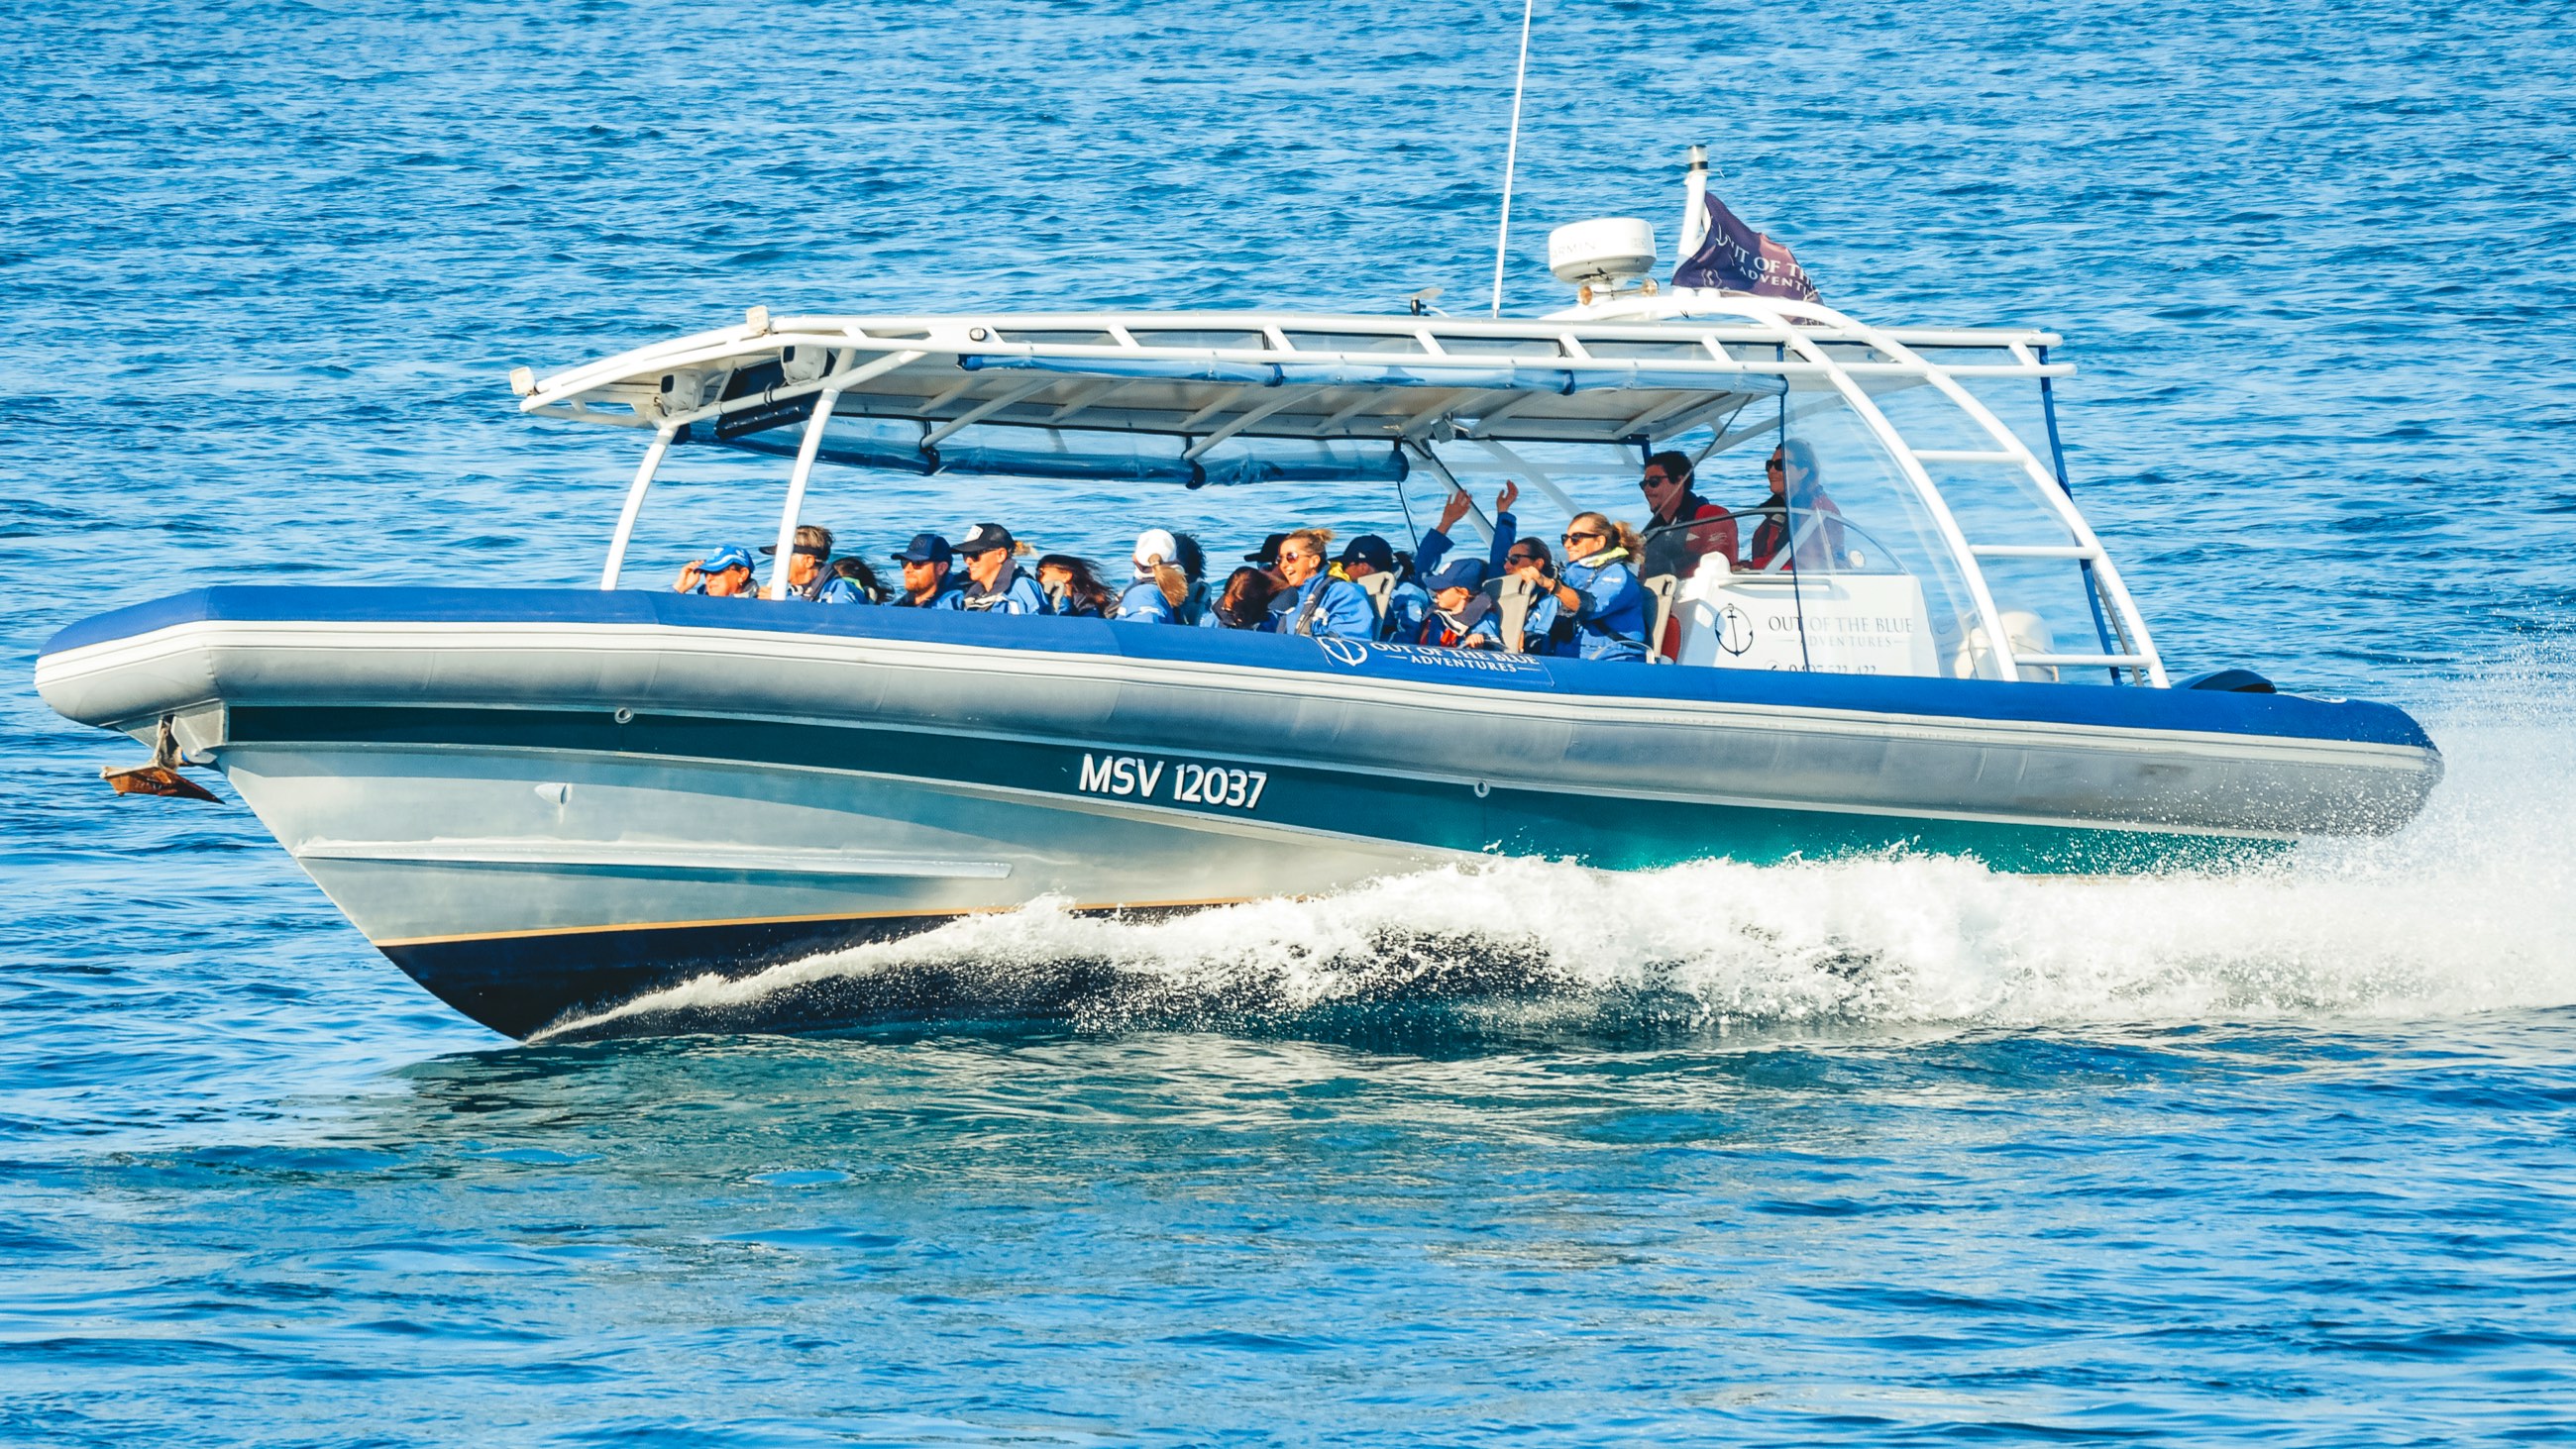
x=1851, y=623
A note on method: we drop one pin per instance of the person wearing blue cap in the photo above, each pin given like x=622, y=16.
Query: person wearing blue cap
x=995, y=584
x=925, y=574
x=725, y=573
x=1462, y=614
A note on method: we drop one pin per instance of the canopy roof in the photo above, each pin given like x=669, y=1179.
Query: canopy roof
x=1010, y=388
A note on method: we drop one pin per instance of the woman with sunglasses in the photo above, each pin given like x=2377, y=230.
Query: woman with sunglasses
x=1797, y=508
x=1598, y=589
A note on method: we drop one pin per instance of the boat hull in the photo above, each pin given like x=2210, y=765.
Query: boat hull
x=541, y=803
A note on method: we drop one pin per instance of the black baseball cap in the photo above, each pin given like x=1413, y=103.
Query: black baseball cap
x=1269, y=551
x=984, y=538
x=1372, y=550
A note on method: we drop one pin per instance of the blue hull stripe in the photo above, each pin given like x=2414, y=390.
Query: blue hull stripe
x=2197, y=711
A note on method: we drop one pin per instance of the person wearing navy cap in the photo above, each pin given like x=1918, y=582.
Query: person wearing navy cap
x=725, y=573
x=1368, y=556
x=1462, y=614
x=925, y=574
x=995, y=584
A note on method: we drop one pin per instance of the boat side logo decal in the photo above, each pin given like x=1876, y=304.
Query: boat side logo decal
x=1735, y=630
x=1353, y=653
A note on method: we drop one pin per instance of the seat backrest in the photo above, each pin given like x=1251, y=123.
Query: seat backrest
x=1379, y=587
x=1659, y=611
x=1512, y=596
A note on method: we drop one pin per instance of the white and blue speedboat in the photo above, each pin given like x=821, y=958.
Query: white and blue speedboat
x=543, y=801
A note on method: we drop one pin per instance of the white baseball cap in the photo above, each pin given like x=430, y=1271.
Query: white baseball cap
x=1157, y=543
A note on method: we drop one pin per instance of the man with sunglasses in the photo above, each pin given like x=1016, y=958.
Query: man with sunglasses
x=808, y=565
x=1682, y=527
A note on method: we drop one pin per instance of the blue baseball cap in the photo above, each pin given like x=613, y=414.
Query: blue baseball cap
x=725, y=556
x=926, y=548
x=1466, y=573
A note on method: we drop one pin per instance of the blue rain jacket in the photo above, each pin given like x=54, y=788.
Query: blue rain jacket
x=1327, y=608
x=1611, y=624
x=1143, y=603
x=1018, y=594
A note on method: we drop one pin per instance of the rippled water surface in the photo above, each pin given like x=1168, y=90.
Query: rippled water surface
x=1865, y=1152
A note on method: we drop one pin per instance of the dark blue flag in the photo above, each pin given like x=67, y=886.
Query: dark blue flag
x=1736, y=258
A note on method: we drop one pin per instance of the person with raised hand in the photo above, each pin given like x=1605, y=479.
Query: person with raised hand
x=725, y=573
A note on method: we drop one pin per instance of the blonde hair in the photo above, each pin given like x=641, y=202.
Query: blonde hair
x=1621, y=536
x=1320, y=538
x=1168, y=578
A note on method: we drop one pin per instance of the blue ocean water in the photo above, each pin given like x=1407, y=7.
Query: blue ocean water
x=1885, y=1151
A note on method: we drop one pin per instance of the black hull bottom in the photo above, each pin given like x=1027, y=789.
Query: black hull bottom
x=520, y=985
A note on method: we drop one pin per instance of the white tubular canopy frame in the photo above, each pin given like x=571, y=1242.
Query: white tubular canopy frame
x=1210, y=382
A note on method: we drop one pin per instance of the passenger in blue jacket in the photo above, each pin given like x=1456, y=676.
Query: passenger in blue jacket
x=926, y=584
x=1160, y=588
x=995, y=584
x=1599, y=589
x=1368, y=556
x=1319, y=606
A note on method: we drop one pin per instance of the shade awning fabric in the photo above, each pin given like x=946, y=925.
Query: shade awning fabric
x=1230, y=397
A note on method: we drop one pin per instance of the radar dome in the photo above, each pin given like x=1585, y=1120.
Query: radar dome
x=1608, y=250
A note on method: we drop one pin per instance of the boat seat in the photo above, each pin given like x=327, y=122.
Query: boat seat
x=1380, y=588
x=1659, y=613
x=1512, y=596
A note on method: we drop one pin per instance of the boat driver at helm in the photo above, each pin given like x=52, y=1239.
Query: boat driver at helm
x=1682, y=527
x=725, y=573
x=1320, y=606
x=995, y=584
x=925, y=574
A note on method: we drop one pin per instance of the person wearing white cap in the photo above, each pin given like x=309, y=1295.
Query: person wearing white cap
x=1160, y=587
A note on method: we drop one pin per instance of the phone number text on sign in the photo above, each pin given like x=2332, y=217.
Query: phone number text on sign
x=1136, y=777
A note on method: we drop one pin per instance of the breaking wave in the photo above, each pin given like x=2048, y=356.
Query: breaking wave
x=2471, y=908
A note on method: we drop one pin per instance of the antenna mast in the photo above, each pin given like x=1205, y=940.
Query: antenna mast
x=1511, y=157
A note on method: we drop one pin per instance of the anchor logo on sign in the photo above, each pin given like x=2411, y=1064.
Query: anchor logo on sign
x=1734, y=630
x=1344, y=651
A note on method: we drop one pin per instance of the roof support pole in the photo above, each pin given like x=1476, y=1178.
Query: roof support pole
x=635, y=503
x=785, y=559
x=1483, y=526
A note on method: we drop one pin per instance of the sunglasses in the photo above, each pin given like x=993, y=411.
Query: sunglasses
x=1585, y=533
x=1772, y=467
x=1654, y=481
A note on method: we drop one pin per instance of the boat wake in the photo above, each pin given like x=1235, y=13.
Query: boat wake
x=2469, y=909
